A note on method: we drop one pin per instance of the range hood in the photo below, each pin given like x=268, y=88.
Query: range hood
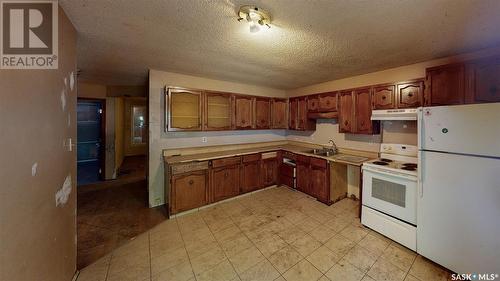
x=395, y=114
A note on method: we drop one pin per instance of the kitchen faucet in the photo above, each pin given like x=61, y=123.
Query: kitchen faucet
x=334, y=146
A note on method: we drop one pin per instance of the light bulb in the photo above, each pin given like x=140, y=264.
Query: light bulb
x=254, y=27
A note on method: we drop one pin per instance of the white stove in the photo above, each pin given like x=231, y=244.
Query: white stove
x=390, y=193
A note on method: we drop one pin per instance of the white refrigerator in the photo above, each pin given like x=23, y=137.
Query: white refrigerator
x=458, y=206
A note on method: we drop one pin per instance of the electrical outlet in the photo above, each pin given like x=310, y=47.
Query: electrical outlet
x=204, y=139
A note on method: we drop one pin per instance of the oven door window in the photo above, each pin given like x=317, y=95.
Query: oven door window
x=390, y=192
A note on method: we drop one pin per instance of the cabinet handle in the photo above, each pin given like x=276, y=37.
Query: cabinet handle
x=327, y=102
x=362, y=123
x=191, y=182
x=384, y=97
x=410, y=95
x=243, y=121
x=345, y=122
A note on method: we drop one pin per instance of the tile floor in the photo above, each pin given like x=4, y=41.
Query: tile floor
x=275, y=234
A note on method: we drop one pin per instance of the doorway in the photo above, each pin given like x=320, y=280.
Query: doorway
x=90, y=140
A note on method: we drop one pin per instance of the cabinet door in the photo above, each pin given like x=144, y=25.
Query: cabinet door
x=313, y=103
x=328, y=102
x=384, y=97
x=320, y=184
x=293, y=113
x=303, y=174
x=262, y=113
x=269, y=173
x=279, y=114
x=486, y=80
x=302, y=113
x=346, y=111
x=225, y=182
x=189, y=191
x=243, y=112
x=363, y=111
x=250, y=176
x=183, y=110
x=410, y=95
x=218, y=111
x=445, y=85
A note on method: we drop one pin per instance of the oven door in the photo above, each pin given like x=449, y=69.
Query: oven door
x=390, y=193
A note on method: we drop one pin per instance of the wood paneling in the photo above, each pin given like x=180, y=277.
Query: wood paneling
x=243, y=112
x=279, y=114
x=263, y=113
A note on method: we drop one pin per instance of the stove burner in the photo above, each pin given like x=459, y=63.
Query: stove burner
x=410, y=165
x=409, y=168
x=381, y=163
x=385, y=160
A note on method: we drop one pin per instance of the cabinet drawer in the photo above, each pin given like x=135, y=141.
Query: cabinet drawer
x=320, y=163
x=189, y=167
x=289, y=155
x=226, y=161
x=269, y=155
x=251, y=158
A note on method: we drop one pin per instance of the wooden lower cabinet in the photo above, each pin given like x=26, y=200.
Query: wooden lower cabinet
x=320, y=184
x=189, y=191
x=269, y=172
x=303, y=174
x=225, y=182
x=250, y=176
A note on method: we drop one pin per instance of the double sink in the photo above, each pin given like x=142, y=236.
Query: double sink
x=322, y=152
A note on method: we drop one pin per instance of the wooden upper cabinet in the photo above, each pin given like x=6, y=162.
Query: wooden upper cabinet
x=384, y=97
x=327, y=102
x=293, y=109
x=218, y=111
x=445, y=85
x=313, y=103
x=279, y=114
x=183, y=109
x=243, y=112
x=363, y=111
x=410, y=95
x=262, y=113
x=303, y=123
x=346, y=112
x=484, y=81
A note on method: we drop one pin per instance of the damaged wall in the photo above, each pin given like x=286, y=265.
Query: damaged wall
x=37, y=172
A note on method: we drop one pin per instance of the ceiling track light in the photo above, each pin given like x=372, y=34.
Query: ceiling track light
x=255, y=17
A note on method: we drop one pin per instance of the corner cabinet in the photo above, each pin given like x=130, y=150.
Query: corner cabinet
x=218, y=111
x=183, y=110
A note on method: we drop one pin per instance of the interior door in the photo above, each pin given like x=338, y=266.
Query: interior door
x=458, y=211
x=89, y=141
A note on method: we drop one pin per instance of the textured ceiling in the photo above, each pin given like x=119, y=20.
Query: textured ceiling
x=309, y=42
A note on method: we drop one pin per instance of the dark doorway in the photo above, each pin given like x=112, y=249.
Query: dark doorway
x=90, y=145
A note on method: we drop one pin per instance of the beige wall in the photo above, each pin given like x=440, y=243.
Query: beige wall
x=38, y=238
x=159, y=139
x=91, y=90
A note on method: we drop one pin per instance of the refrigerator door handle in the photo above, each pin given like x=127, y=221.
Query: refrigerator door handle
x=420, y=180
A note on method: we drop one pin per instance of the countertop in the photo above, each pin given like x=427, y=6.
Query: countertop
x=338, y=158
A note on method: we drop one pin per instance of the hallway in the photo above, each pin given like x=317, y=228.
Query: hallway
x=111, y=213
